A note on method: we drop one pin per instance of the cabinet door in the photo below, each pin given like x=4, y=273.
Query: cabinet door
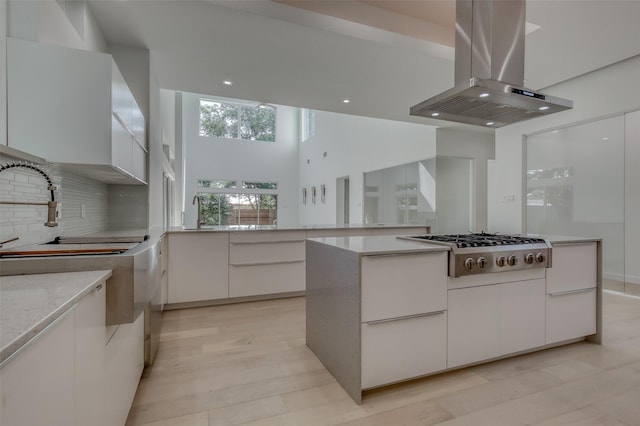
x=251, y=280
x=198, y=267
x=403, y=348
x=37, y=386
x=571, y=315
x=89, y=358
x=60, y=102
x=405, y=284
x=494, y=320
x=121, y=146
x=123, y=365
x=139, y=161
x=573, y=267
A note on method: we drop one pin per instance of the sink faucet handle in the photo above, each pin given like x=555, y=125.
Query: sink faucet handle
x=10, y=240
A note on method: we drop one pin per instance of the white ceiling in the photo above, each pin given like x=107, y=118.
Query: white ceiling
x=384, y=55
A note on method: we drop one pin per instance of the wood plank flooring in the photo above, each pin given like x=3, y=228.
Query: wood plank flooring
x=248, y=364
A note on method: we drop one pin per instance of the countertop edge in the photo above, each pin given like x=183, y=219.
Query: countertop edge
x=14, y=347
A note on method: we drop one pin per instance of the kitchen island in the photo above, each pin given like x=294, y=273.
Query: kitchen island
x=382, y=310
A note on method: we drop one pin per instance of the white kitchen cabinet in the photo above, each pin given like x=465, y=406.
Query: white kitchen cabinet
x=493, y=320
x=405, y=284
x=37, y=385
x=89, y=357
x=266, y=263
x=404, y=317
x=572, y=292
x=403, y=348
x=198, y=266
x=573, y=267
x=123, y=365
x=73, y=107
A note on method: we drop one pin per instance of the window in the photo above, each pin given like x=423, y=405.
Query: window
x=226, y=202
x=307, y=124
x=236, y=121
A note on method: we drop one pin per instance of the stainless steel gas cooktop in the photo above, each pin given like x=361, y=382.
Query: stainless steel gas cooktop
x=476, y=253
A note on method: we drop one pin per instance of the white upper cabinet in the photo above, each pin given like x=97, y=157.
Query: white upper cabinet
x=73, y=107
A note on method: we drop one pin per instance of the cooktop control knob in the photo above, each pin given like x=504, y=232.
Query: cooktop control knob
x=469, y=264
x=482, y=262
x=512, y=260
x=529, y=258
x=540, y=258
x=500, y=261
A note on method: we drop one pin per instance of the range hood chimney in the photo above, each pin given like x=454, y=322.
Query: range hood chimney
x=489, y=70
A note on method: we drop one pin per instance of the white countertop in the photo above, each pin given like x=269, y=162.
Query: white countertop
x=379, y=244
x=233, y=228
x=29, y=303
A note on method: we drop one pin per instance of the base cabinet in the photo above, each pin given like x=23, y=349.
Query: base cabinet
x=89, y=358
x=572, y=292
x=37, y=386
x=198, y=267
x=124, y=362
x=403, y=348
x=489, y=321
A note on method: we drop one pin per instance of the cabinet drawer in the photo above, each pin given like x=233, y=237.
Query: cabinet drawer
x=403, y=348
x=571, y=315
x=266, y=252
x=266, y=236
x=401, y=285
x=252, y=280
x=573, y=266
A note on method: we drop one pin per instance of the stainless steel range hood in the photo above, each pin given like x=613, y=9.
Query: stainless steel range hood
x=489, y=70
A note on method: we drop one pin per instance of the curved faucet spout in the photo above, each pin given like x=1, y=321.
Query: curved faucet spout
x=196, y=200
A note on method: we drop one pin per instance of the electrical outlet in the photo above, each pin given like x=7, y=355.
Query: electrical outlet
x=82, y=211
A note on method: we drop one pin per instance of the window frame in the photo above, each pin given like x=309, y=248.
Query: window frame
x=238, y=105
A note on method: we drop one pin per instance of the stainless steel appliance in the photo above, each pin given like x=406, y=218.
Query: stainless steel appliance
x=489, y=70
x=477, y=253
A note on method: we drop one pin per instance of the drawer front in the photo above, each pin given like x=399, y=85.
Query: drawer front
x=399, y=231
x=401, y=285
x=266, y=236
x=281, y=251
x=573, y=267
x=253, y=280
x=403, y=348
x=571, y=315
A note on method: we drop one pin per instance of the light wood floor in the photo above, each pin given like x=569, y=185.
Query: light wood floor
x=248, y=364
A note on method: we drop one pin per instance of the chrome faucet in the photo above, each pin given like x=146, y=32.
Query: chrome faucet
x=52, y=205
x=199, y=223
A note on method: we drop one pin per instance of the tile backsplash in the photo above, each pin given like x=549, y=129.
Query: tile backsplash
x=86, y=205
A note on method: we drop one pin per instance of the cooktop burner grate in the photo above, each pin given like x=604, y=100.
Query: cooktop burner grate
x=480, y=239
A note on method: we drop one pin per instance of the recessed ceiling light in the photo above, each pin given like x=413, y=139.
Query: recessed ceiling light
x=346, y=101
x=543, y=108
x=484, y=95
x=490, y=123
x=262, y=105
x=435, y=114
x=228, y=82
x=555, y=131
x=605, y=139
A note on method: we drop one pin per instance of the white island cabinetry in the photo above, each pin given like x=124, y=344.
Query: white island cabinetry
x=572, y=283
x=88, y=120
x=404, y=313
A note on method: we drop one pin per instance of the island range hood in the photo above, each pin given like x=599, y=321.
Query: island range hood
x=489, y=70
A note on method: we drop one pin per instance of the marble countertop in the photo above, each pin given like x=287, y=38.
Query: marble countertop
x=379, y=245
x=29, y=303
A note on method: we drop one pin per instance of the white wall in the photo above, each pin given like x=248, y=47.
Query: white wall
x=232, y=159
x=355, y=145
x=606, y=92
